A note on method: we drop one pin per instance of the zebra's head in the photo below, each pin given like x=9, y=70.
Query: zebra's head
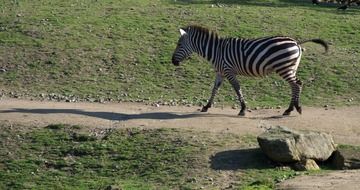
x=183, y=49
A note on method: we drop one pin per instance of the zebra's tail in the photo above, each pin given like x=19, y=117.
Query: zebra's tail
x=318, y=41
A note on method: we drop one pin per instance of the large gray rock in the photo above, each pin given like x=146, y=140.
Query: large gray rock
x=282, y=144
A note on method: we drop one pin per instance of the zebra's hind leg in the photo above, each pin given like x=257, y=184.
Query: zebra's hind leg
x=218, y=81
x=296, y=86
x=297, y=102
x=235, y=84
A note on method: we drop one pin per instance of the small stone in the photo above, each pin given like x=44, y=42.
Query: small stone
x=249, y=110
x=278, y=107
x=326, y=106
x=157, y=105
x=284, y=168
x=100, y=100
x=306, y=165
x=2, y=70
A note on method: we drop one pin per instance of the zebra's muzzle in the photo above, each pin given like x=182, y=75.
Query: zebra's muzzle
x=175, y=62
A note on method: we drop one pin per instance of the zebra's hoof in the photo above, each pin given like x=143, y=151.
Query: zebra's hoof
x=241, y=113
x=286, y=113
x=298, y=109
x=204, y=109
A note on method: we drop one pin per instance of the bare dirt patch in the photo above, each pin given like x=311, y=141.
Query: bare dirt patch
x=345, y=180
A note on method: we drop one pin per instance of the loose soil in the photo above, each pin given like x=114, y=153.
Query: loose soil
x=343, y=123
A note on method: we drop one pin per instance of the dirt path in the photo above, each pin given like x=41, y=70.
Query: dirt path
x=342, y=123
x=344, y=180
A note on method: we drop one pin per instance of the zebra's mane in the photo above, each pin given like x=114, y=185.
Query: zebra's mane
x=202, y=30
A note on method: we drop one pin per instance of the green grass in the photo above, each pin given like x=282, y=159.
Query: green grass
x=71, y=157
x=121, y=50
x=348, y=147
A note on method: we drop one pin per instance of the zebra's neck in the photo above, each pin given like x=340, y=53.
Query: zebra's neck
x=206, y=44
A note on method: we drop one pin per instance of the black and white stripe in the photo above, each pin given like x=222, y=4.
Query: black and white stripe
x=248, y=57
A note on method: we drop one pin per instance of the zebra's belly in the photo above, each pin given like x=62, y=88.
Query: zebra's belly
x=254, y=73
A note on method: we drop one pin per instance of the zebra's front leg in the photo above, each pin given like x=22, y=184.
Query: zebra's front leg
x=235, y=84
x=218, y=81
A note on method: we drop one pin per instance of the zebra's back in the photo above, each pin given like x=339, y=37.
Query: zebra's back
x=259, y=57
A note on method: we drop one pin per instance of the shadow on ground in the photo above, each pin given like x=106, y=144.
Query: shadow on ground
x=124, y=116
x=107, y=115
x=252, y=158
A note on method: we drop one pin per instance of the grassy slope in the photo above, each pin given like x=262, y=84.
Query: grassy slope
x=67, y=157
x=121, y=49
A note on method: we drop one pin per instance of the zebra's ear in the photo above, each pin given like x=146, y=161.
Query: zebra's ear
x=182, y=32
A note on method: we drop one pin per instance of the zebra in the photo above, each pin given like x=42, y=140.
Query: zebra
x=248, y=57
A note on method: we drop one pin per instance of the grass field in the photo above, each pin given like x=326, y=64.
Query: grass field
x=72, y=157
x=121, y=50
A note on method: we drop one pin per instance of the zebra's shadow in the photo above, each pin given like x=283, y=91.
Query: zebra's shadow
x=108, y=115
x=126, y=116
x=118, y=116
